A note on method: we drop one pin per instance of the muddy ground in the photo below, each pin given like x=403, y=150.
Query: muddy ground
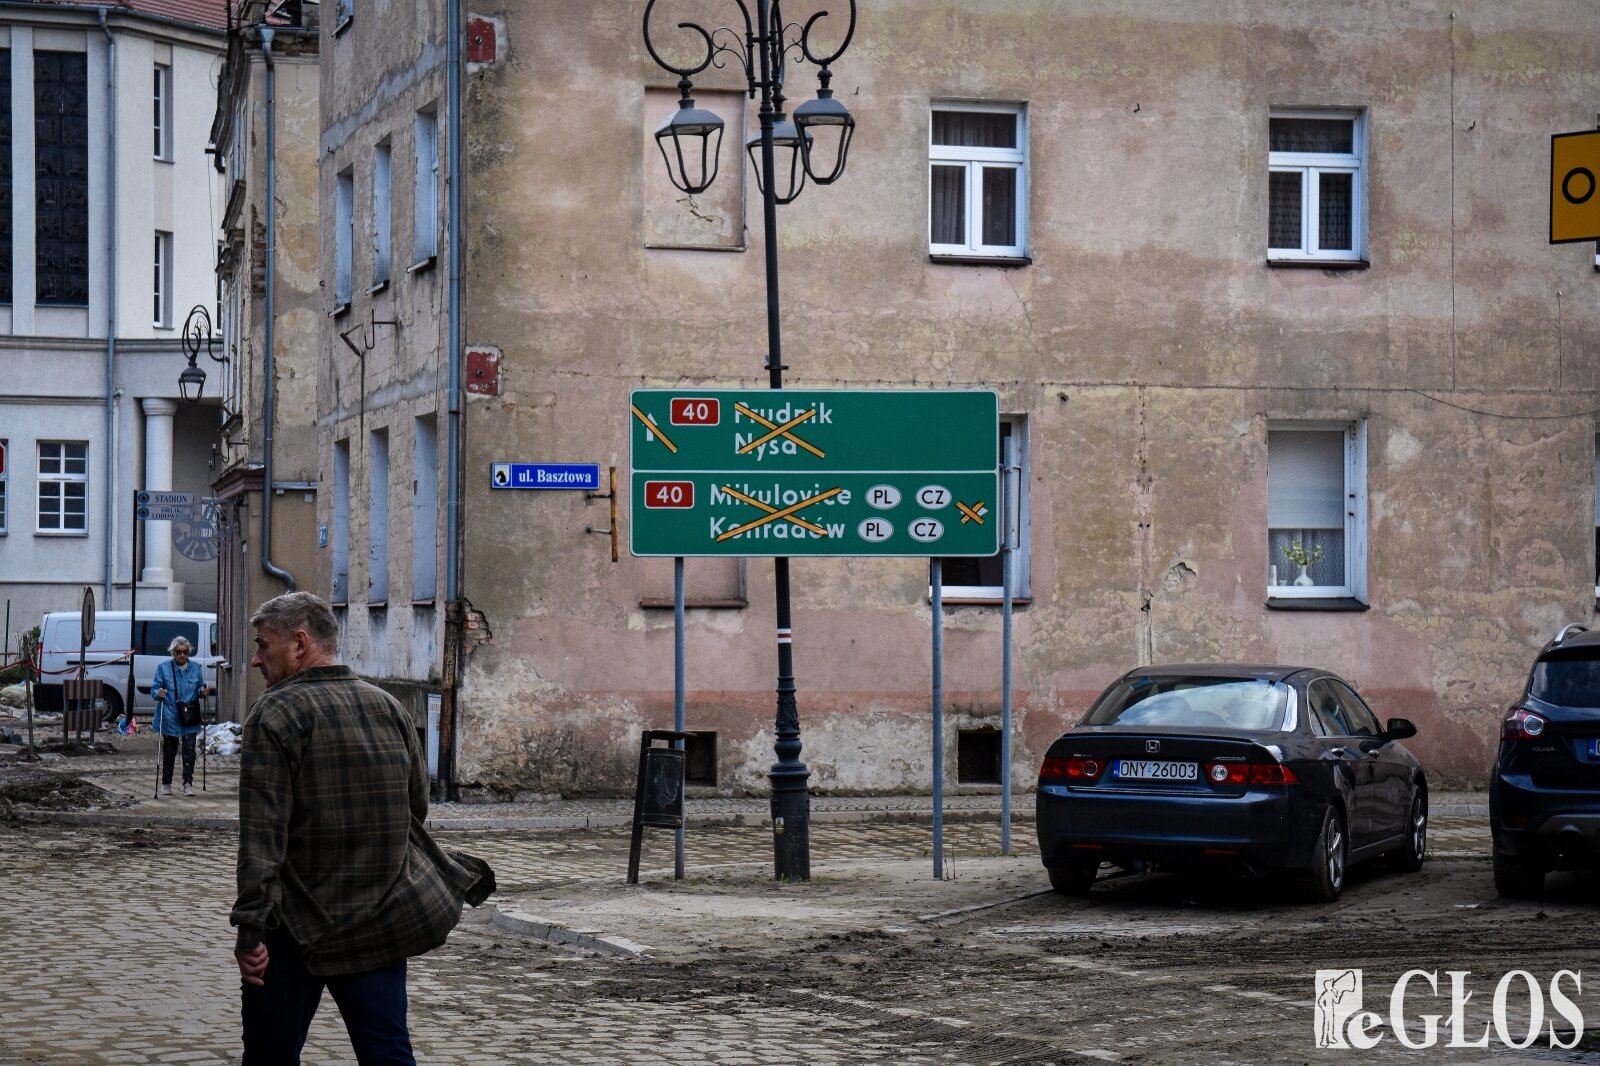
x=871, y=962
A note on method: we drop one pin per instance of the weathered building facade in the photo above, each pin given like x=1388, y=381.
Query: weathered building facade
x=105, y=244
x=1265, y=294
x=265, y=134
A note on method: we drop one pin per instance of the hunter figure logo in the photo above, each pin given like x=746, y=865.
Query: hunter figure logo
x=1338, y=997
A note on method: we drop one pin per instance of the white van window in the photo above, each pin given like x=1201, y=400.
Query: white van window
x=156, y=635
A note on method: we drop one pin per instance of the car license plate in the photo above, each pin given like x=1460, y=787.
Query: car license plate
x=1594, y=749
x=1144, y=770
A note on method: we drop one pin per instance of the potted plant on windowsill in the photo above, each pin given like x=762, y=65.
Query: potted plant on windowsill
x=1303, y=556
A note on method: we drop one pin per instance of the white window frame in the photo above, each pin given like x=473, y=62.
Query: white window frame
x=1019, y=450
x=161, y=284
x=344, y=238
x=382, y=216
x=1310, y=166
x=425, y=202
x=161, y=112
x=5, y=484
x=975, y=161
x=63, y=478
x=1355, y=513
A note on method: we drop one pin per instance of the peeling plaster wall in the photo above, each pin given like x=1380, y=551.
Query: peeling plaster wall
x=383, y=360
x=1148, y=344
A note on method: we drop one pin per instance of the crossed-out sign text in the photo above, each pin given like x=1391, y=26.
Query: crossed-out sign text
x=774, y=513
x=774, y=429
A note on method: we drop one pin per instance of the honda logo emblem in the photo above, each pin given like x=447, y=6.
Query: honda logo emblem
x=1152, y=746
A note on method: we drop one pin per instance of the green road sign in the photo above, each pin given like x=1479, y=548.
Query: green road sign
x=814, y=473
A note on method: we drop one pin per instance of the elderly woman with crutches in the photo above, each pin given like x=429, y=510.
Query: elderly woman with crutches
x=178, y=686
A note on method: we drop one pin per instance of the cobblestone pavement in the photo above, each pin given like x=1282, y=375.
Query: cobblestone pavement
x=114, y=950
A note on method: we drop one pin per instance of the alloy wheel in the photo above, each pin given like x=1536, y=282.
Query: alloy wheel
x=1334, y=855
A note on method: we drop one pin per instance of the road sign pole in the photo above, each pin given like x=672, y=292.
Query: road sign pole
x=677, y=692
x=133, y=609
x=1008, y=527
x=937, y=581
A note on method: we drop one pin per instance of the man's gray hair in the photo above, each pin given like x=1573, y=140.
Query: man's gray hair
x=299, y=610
x=179, y=642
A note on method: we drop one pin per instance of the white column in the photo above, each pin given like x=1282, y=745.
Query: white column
x=158, y=476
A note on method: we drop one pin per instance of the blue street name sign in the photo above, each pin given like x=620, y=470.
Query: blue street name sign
x=544, y=476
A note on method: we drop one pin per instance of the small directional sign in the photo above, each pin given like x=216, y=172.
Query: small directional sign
x=814, y=473
x=154, y=506
x=1574, y=194
x=544, y=476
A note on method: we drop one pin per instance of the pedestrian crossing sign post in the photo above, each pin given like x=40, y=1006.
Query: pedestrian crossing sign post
x=814, y=473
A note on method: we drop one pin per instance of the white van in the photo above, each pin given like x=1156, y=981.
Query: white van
x=61, y=634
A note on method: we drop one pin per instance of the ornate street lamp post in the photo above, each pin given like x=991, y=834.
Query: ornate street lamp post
x=197, y=337
x=689, y=143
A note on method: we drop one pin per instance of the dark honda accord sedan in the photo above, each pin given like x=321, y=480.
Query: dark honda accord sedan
x=1258, y=768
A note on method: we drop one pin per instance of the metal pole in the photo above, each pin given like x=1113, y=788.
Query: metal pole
x=1007, y=528
x=27, y=683
x=133, y=607
x=791, y=805
x=938, y=718
x=677, y=692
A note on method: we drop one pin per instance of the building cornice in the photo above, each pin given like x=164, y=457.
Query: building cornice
x=119, y=19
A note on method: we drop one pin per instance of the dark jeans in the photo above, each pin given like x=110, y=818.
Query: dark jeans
x=169, y=751
x=278, y=1014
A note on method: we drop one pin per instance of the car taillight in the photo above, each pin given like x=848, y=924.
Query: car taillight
x=1076, y=769
x=1250, y=773
x=1521, y=725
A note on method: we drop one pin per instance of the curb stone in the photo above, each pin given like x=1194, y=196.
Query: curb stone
x=515, y=921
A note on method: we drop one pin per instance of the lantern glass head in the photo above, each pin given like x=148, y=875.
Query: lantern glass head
x=690, y=142
x=827, y=126
x=191, y=382
x=788, y=161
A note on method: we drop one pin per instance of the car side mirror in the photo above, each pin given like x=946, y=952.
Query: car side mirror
x=1399, y=729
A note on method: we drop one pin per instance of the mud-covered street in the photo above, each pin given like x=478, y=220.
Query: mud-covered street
x=115, y=951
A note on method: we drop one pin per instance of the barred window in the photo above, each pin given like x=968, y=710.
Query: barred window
x=61, y=177
x=5, y=175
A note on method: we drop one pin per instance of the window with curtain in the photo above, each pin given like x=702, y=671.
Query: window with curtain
x=977, y=181
x=1314, y=186
x=1315, y=511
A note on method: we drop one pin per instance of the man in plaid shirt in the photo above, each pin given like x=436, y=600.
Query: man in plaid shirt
x=339, y=881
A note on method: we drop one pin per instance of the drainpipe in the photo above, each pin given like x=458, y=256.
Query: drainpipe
x=269, y=370
x=454, y=606
x=110, y=491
